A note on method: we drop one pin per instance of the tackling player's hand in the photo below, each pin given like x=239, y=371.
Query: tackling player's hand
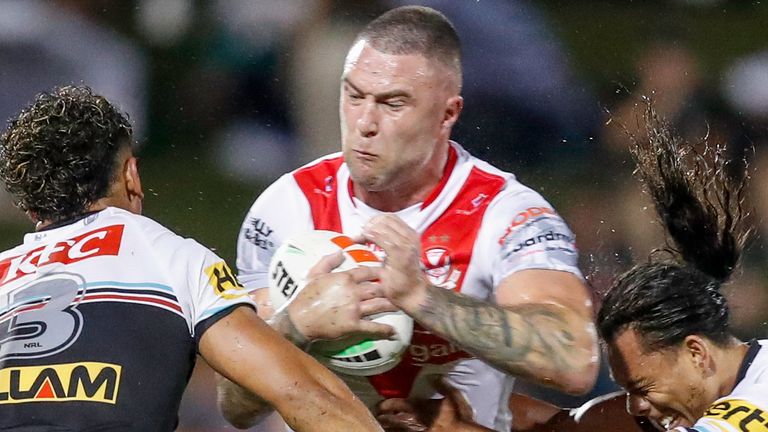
x=401, y=276
x=451, y=414
x=332, y=305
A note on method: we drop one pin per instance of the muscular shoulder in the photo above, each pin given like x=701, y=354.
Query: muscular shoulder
x=292, y=189
x=528, y=233
x=519, y=210
x=155, y=236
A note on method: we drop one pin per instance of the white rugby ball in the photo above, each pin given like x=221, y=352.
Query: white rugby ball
x=287, y=276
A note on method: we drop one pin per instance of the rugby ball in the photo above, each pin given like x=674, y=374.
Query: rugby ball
x=287, y=277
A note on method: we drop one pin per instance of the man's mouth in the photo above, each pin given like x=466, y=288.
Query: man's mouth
x=668, y=422
x=363, y=155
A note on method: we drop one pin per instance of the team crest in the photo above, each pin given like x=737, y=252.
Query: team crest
x=439, y=268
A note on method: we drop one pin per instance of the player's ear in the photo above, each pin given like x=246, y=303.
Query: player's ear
x=697, y=350
x=133, y=181
x=453, y=108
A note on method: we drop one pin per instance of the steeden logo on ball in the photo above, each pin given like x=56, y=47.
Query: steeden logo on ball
x=287, y=277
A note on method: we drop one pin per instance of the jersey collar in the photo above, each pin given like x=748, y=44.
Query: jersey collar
x=449, y=165
x=754, y=348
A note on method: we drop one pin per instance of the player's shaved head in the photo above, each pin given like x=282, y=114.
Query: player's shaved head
x=416, y=30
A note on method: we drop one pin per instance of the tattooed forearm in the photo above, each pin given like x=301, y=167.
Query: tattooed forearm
x=534, y=340
x=283, y=324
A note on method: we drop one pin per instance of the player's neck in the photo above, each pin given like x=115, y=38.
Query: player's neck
x=393, y=200
x=407, y=192
x=731, y=360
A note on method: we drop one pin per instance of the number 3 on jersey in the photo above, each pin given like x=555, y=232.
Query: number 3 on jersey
x=41, y=318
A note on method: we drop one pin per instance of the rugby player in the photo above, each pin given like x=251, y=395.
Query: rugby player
x=501, y=296
x=102, y=310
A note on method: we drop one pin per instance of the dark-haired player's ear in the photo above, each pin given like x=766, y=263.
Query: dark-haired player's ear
x=697, y=350
x=133, y=180
x=33, y=215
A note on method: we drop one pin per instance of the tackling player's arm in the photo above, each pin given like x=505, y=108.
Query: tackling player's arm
x=328, y=307
x=540, y=328
x=274, y=373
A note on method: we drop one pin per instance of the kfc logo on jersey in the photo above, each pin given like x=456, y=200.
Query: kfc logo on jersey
x=439, y=270
x=100, y=242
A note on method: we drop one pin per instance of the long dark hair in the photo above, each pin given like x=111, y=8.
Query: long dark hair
x=701, y=208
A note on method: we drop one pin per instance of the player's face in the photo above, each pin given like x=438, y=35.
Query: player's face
x=664, y=385
x=395, y=110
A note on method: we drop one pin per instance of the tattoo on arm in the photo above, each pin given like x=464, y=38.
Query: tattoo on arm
x=283, y=324
x=526, y=340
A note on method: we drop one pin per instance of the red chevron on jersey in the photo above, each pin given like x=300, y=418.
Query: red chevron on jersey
x=447, y=246
x=446, y=252
x=318, y=183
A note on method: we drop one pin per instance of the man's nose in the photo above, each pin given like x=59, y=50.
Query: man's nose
x=638, y=405
x=368, y=122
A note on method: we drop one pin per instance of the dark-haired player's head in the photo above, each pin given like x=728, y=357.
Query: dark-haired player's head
x=665, y=321
x=68, y=153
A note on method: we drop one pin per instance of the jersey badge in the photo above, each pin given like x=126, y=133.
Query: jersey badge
x=439, y=268
x=82, y=382
x=742, y=415
x=224, y=282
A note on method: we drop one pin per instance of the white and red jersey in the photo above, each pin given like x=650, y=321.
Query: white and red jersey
x=478, y=226
x=745, y=409
x=100, y=320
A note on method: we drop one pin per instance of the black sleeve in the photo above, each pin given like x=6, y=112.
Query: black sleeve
x=205, y=324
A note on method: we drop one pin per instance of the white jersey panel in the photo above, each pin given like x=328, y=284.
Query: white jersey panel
x=278, y=213
x=148, y=257
x=522, y=231
x=115, y=300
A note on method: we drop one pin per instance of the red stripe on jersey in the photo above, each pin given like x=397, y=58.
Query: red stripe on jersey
x=13, y=312
x=318, y=183
x=143, y=299
x=449, y=165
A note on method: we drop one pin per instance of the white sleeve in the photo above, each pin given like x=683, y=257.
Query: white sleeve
x=279, y=212
x=203, y=283
x=525, y=232
x=215, y=290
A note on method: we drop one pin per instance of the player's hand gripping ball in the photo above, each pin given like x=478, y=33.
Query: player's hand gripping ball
x=287, y=276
